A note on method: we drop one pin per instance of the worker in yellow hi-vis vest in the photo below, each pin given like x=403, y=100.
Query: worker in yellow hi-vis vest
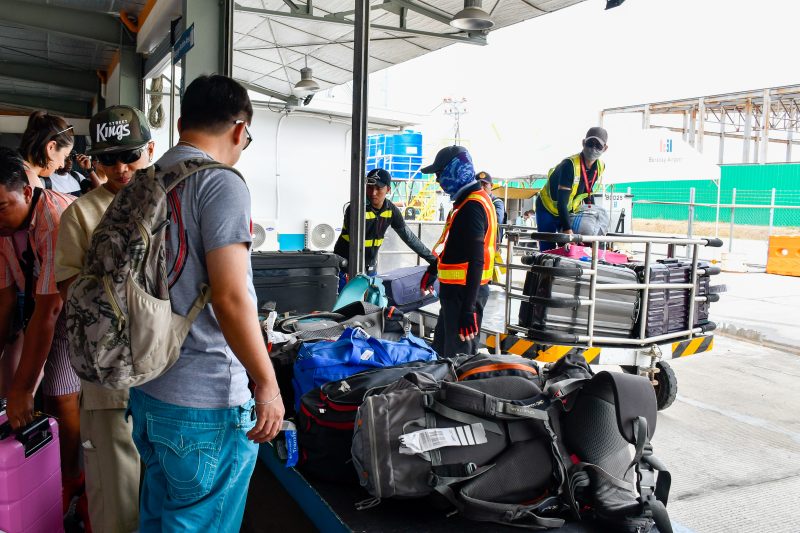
x=465, y=253
x=571, y=184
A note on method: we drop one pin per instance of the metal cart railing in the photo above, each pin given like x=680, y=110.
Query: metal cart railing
x=640, y=354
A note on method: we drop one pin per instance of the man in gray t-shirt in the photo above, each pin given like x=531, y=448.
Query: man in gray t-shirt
x=196, y=427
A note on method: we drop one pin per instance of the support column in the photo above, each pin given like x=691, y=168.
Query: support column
x=748, y=130
x=756, y=141
x=124, y=85
x=790, y=132
x=358, y=154
x=766, y=111
x=721, y=135
x=685, y=125
x=693, y=128
x=646, y=118
x=213, y=38
x=701, y=129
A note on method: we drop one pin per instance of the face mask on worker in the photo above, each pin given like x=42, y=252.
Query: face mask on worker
x=591, y=152
x=458, y=174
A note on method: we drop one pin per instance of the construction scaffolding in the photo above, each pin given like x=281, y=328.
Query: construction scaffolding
x=757, y=118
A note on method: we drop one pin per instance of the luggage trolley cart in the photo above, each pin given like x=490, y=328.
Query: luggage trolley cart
x=641, y=354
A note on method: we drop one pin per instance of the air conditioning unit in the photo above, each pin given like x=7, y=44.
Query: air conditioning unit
x=320, y=235
x=265, y=235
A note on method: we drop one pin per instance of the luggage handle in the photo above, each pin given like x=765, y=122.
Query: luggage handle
x=568, y=303
x=33, y=437
x=565, y=272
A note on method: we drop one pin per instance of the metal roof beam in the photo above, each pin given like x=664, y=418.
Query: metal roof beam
x=429, y=11
x=62, y=106
x=82, y=80
x=263, y=90
x=76, y=23
x=476, y=39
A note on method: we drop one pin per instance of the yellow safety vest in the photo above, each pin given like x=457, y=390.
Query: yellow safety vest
x=456, y=274
x=575, y=199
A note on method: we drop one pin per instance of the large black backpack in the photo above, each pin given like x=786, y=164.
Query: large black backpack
x=522, y=455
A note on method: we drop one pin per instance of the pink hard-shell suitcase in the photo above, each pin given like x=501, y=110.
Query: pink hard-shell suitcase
x=579, y=252
x=30, y=478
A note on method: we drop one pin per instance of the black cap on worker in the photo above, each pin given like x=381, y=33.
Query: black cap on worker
x=380, y=177
x=597, y=133
x=484, y=177
x=443, y=159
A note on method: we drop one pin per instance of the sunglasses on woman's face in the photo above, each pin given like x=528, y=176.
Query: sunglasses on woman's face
x=127, y=157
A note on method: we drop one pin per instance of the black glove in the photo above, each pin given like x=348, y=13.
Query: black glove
x=429, y=278
x=468, y=324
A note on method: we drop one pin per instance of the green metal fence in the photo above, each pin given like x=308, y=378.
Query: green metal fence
x=753, y=185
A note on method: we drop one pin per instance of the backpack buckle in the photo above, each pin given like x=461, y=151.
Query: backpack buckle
x=646, y=480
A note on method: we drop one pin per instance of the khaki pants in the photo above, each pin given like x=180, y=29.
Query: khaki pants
x=112, y=470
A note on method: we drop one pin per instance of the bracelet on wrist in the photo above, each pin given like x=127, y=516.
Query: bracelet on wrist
x=269, y=401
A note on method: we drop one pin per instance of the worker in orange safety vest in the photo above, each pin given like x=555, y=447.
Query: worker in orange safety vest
x=465, y=254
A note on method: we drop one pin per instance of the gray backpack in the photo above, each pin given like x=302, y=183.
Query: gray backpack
x=486, y=446
x=121, y=328
x=498, y=449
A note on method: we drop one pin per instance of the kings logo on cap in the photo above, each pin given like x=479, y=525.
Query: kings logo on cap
x=119, y=129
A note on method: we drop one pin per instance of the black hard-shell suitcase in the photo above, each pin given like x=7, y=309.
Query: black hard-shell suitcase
x=554, y=286
x=298, y=282
x=402, y=288
x=668, y=309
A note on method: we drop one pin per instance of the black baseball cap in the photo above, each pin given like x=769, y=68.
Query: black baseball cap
x=118, y=128
x=443, y=158
x=484, y=177
x=597, y=133
x=379, y=176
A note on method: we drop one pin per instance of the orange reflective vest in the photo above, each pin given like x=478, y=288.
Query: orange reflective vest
x=456, y=274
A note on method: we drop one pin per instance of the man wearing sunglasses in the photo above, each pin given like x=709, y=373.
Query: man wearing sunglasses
x=197, y=426
x=569, y=185
x=121, y=144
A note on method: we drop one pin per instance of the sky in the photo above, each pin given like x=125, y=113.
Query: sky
x=535, y=89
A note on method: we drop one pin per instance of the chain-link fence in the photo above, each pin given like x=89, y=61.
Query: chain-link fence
x=732, y=213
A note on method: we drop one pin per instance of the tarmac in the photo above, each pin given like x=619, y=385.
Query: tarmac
x=761, y=308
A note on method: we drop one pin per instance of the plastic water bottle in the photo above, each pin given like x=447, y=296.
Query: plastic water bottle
x=290, y=434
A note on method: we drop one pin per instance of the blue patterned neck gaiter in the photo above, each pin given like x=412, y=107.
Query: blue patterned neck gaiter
x=457, y=174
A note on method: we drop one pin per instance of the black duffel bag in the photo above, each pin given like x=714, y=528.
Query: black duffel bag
x=327, y=415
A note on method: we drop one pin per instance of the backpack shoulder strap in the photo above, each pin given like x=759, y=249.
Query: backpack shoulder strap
x=187, y=167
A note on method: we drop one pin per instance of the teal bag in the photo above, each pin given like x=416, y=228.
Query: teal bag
x=362, y=288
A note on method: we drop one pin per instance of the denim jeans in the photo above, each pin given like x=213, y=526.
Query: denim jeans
x=546, y=222
x=198, y=464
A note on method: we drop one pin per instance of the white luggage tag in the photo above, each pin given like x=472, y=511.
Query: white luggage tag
x=430, y=439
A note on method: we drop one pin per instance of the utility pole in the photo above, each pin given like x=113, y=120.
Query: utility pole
x=455, y=107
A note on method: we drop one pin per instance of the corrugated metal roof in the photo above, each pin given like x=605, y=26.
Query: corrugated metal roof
x=271, y=45
x=36, y=47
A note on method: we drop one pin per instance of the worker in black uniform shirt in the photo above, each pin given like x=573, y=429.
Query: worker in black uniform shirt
x=381, y=213
x=466, y=258
x=569, y=185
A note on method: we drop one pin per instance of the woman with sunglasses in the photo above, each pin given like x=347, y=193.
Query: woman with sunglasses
x=45, y=145
x=569, y=185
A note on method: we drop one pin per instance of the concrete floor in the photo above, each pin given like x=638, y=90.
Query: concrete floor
x=732, y=440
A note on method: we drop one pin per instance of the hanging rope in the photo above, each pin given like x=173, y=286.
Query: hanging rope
x=156, y=115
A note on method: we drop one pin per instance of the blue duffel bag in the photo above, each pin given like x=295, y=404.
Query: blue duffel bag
x=320, y=362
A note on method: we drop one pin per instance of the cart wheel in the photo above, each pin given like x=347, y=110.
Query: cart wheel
x=666, y=386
